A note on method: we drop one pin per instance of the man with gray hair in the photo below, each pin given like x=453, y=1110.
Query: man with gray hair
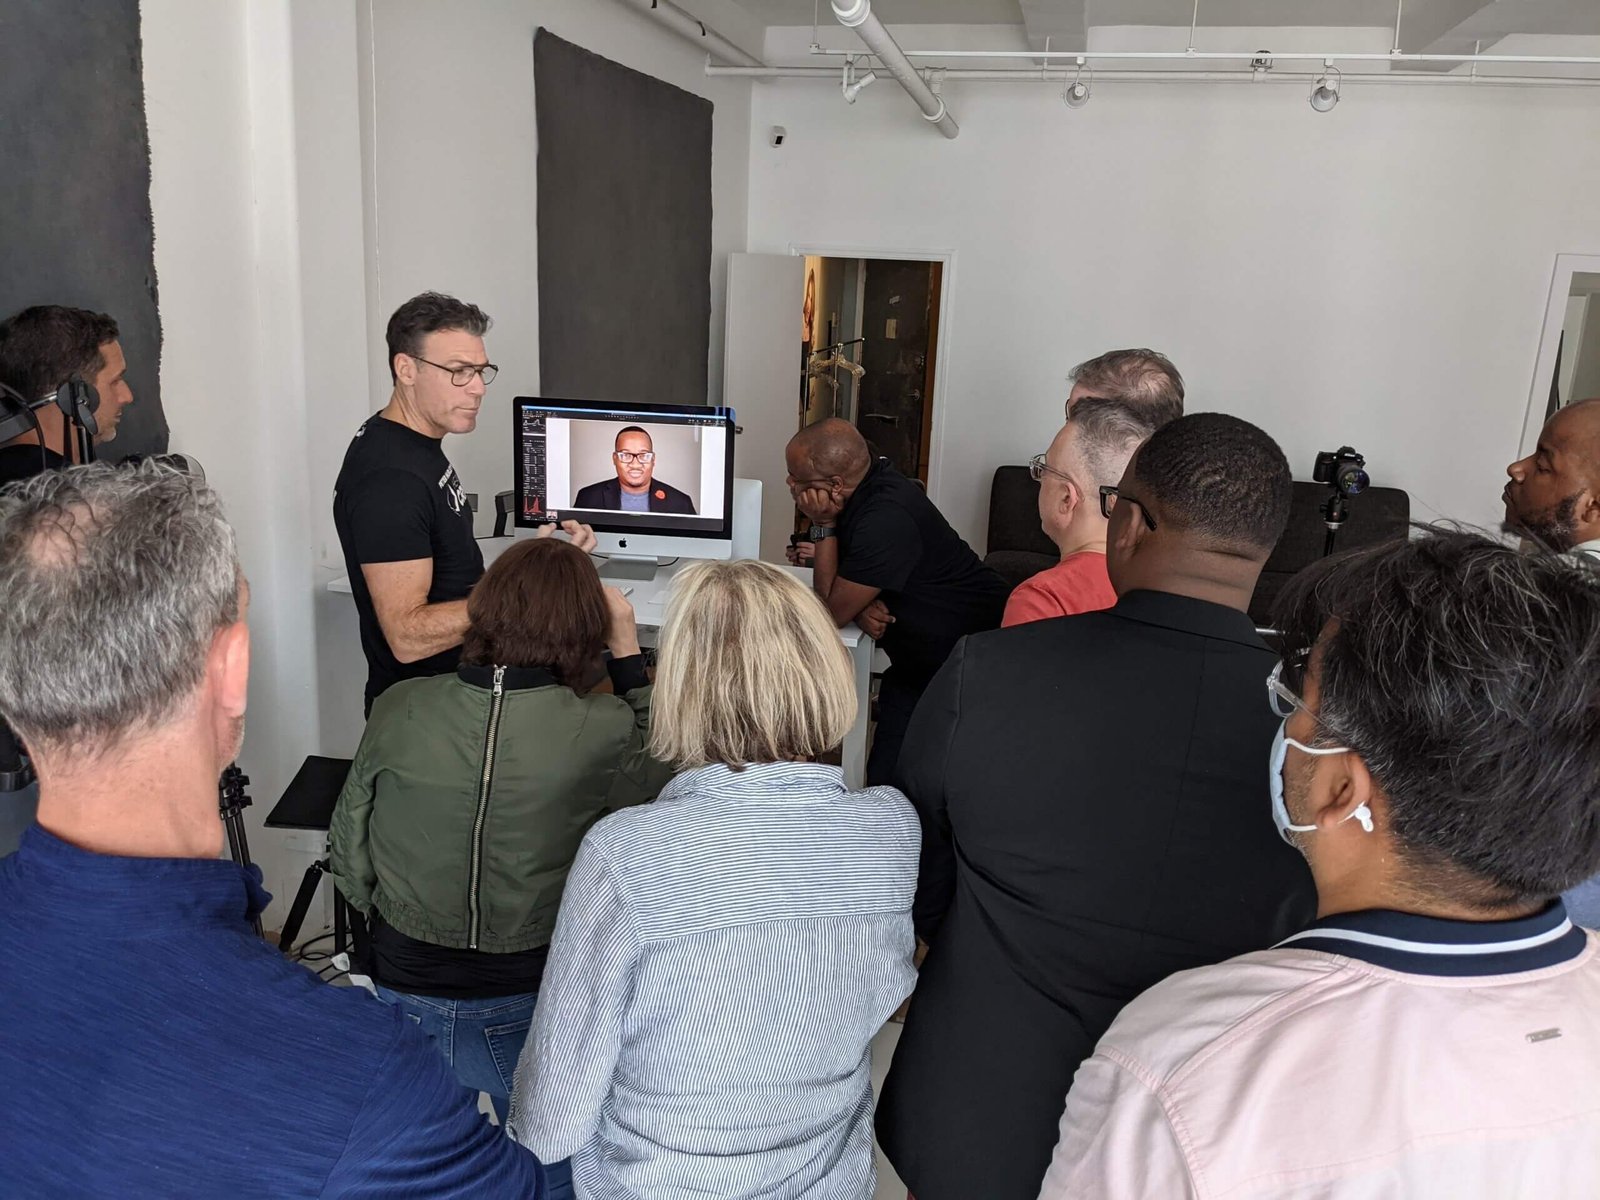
x=1093, y=448
x=1144, y=380
x=182, y=1067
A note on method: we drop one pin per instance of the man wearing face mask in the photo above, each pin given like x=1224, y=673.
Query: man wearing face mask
x=1437, y=1030
x=1090, y=791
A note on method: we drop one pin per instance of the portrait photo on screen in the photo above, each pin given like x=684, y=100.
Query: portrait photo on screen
x=644, y=468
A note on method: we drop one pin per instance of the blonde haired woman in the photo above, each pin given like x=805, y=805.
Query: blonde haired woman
x=725, y=955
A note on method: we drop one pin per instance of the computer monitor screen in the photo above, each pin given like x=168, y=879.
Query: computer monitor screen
x=639, y=471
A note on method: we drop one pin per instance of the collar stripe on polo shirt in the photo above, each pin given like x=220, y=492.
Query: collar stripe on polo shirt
x=1432, y=946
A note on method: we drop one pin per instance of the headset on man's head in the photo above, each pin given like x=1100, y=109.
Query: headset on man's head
x=76, y=398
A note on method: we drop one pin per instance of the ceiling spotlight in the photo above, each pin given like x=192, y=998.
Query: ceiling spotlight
x=1076, y=94
x=1325, y=92
x=853, y=89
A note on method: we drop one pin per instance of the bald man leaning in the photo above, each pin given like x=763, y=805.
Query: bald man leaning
x=886, y=556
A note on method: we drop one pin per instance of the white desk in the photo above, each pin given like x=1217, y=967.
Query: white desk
x=648, y=597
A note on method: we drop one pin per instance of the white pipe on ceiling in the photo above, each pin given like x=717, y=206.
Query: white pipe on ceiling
x=858, y=15
x=1246, y=56
x=695, y=30
x=1017, y=75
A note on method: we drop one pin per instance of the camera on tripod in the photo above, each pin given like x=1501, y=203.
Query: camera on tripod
x=1343, y=470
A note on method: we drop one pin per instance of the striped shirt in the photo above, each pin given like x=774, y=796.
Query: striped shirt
x=722, y=961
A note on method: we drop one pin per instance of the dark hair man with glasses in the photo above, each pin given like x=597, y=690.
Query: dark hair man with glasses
x=1091, y=792
x=1093, y=446
x=635, y=488
x=1437, y=1030
x=399, y=506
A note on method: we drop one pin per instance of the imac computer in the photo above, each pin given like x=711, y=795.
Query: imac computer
x=652, y=480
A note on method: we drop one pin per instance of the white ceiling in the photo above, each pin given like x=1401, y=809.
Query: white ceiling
x=1424, y=22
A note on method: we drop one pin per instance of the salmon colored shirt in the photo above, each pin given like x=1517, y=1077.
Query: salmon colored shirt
x=1077, y=584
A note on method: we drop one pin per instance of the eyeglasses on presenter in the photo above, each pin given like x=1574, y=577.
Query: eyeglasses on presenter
x=461, y=376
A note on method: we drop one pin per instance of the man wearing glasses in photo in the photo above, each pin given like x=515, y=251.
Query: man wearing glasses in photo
x=399, y=507
x=635, y=489
x=1093, y=793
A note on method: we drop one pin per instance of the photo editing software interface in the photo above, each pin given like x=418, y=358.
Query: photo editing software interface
x=645, y=468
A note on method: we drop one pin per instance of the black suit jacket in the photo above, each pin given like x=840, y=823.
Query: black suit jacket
x=1095, y=817
x=664, y=498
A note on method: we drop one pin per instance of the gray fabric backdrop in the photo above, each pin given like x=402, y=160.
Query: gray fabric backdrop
x=624, y=201
x=75, y=182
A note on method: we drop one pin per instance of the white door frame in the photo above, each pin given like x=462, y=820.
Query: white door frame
x=941, y=364
x=1555, y=317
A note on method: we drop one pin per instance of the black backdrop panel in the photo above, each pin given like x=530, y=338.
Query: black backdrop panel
x=624, y=201
x=75, y=223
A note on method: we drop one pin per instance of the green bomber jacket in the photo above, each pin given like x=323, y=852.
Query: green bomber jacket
x=471, y=792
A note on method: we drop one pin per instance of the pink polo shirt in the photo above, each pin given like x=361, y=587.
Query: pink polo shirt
x=1376, y=1055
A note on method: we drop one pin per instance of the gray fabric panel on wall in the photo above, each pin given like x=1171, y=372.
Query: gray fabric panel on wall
x=624, y=201
x=75, y=223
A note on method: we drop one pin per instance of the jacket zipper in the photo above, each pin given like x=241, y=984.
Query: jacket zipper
x=483, y=802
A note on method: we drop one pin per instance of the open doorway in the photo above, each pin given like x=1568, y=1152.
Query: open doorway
x=869, y=345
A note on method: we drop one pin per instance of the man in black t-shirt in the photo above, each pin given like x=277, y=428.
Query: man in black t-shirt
x=399, y=507
x=887, y=559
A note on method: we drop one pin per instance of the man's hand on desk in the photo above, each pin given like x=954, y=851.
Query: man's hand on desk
x=801, y=554
x=582, y=536
x=874, y=619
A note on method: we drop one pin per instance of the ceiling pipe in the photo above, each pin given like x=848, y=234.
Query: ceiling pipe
x=857, y=15
x=1016, y=75
x=692, y=29
x=1044, y=56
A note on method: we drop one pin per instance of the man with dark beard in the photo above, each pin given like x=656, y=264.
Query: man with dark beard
x=1554, y=499
x=1554, y=494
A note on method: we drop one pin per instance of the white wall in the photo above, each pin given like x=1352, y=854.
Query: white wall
x=232, y=367
x=451, y=125
x=257, y=196
x=1375, y=275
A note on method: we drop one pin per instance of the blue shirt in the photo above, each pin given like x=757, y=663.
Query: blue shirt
x=635, y=501
x=722, y=961
x=151, y=1045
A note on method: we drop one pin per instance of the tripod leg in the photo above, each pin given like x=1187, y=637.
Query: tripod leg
x=302, y=903
x=340, y=937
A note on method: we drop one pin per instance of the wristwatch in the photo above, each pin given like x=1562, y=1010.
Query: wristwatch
x=818, y=532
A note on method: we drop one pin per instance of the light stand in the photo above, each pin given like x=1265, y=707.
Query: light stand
x=1334, y=513
x=231, y=803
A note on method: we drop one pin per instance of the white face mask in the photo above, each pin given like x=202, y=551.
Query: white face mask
x=1280, y=811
